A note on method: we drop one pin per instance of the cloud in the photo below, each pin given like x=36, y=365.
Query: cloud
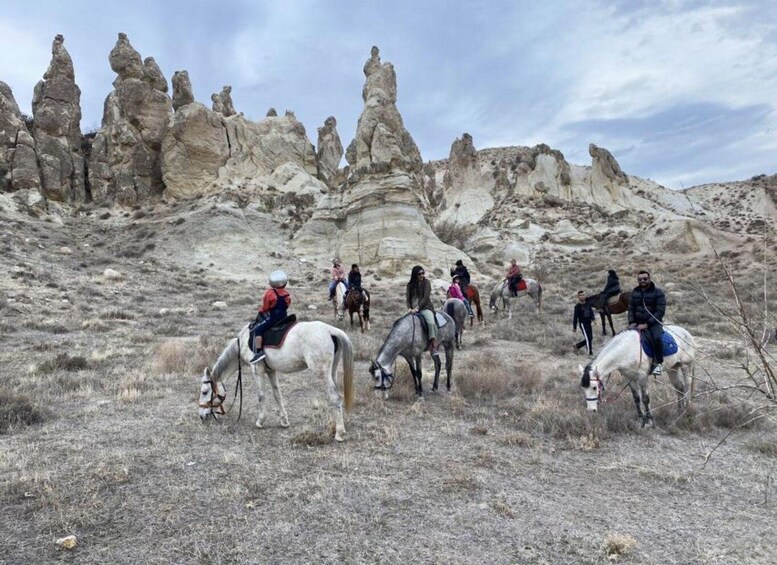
x=639, y=77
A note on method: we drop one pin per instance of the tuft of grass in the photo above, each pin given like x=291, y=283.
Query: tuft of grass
x=19, y=410
x=618, y=545
x=65, y=362
x=310, y=438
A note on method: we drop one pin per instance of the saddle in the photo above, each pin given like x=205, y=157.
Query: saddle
x=670, y=345
x=519, y=287
x=438, y=318
x=274, y=337
x=613, y=299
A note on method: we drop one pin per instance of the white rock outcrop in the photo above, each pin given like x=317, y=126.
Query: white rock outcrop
x=18, y=162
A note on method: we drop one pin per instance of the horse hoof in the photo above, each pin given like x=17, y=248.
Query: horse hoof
x=259, y=424
x=284, y=422
x=434, y=389
x=339, y=438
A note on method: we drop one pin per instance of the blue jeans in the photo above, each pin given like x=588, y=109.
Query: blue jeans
x=333, y=285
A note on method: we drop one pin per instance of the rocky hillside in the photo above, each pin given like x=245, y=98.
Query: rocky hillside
x=235, y=195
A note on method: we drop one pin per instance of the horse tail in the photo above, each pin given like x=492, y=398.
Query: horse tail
x=366, y=305
x=345, y=343
x=449, y=309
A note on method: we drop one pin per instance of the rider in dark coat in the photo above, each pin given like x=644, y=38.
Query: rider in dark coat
x=646, y=312
x=612, y=288
x=461, y=271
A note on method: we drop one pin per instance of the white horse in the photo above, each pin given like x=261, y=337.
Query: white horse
x=313, y=345
x=339, y=299
x=502, y=290
x=624, y=353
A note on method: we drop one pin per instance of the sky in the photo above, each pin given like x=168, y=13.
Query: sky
x=682, y=92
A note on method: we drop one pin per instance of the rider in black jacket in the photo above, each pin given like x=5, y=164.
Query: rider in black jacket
x=612, y=288
x=646, y=312
x=461, y=271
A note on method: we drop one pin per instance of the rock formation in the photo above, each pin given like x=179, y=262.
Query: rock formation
x=203, y=150
x=607, y=178
x=330, y=150
x=125, y=164
x=18, y=164
x=56, y=112
x=222, y=102
x=271, y=113
x=377, y=219
x=381, y=138
x=182, y=90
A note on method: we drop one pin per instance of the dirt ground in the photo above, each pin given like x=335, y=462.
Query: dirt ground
x=506, y=468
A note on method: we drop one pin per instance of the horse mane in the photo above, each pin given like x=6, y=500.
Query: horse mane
x=391, y=331
x=226, y=359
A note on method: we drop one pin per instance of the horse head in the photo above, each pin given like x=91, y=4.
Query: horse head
x=384, y=380
x=212, y=396
x=592, y=386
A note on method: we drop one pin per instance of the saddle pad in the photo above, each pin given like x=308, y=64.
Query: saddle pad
x=521, y=285
x=441, y=320
x=670, y=345
x=274, y=337
x=613, y=299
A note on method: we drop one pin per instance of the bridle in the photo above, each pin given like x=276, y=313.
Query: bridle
x=214, y=393
x=597, y=382
x=385, y=376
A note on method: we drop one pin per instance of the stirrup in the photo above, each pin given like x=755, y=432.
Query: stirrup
x=658, y=370
x=258, y=356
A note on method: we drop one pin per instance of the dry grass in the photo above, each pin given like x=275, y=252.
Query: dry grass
x=64, y=362
x=19, y=410
x=185, y=356
x=618, y=545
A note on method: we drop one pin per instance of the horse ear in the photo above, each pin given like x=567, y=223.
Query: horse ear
x=207, y=372
x=581, y=369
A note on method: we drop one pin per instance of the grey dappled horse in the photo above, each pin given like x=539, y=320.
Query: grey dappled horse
x=455, y=309
x=502, y=290
x=408, y=339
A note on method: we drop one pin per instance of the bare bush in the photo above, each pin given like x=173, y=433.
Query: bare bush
x=453, y=233
x=19, y=410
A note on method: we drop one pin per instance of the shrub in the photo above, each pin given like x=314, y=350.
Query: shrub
x=454, y=234
x=65, y=362
x=18, y=410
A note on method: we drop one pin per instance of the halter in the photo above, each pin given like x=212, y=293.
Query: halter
x=214, y=392
x=385, y=376
x=599, y=389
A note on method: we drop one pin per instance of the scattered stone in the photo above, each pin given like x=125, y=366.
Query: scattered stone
x=65, y=250
x=220, y=305
x=68, y=542
x=111, y=274
x=312, y=307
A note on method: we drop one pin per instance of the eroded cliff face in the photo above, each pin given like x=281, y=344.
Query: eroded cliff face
x=18, y=162
x=126, y=159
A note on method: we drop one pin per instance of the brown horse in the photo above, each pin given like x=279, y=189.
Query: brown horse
x=359, y=303
x=619, y=307
x=474, y=299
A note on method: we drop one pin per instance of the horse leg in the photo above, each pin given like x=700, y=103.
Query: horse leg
x=414, y=362
x=677, y=378
x=603, y=317
x=259, y=394
x=272, y=376
x=647, y=421
x=609, y=318
x=437, y=367
x=419, y=391
x=637, y=401
x=448, y=366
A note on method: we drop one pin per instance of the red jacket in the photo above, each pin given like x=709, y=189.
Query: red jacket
x=269, y=299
